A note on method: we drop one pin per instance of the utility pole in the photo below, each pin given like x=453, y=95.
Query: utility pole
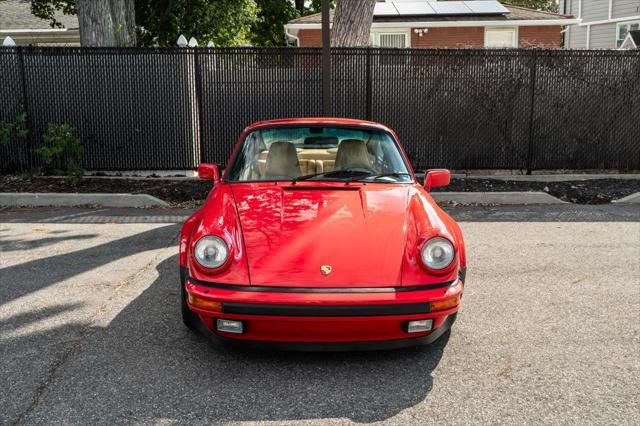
x=326, y=61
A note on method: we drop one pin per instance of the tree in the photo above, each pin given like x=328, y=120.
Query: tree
x=224, y=22
x=106, y=22
x=268, y=30
x=352, y=23
x=102, y=23
x=550, y=5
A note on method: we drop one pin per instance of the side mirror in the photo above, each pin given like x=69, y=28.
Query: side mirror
x=209, y=171
x=435, y=178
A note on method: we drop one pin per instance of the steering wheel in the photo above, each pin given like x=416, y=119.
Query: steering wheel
x=361, y=166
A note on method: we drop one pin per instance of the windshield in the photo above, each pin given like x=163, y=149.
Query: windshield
x=319, y=153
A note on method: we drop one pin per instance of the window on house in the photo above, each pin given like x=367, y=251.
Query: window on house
x=500, y=37
x=393, y=40
x=623, y=29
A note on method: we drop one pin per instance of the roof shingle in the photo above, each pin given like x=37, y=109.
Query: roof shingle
x=16, y=15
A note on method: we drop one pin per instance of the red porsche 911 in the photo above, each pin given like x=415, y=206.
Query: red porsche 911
x=319, y=237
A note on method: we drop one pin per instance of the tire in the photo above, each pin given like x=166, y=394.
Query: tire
x=188, y=317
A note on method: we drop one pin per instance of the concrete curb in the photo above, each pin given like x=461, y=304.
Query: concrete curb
x=630, y=199
x=47, y=199
x=497, y=198
x=554, y=178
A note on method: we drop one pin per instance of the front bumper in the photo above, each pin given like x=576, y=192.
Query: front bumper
x=324, y=319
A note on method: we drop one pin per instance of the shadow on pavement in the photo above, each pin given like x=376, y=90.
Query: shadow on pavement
x=147, y=367
x=33, y=275
x=24, y=244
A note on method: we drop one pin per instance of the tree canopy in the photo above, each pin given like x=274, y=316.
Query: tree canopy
x=550, y=5
x=224, y=22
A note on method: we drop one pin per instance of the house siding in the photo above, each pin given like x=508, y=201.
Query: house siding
x=623, y=8
x=539, y=36
x=603, y=36
x=449, y=37
x=577, y=37
x=310, y=37
x=458, y=37
x=594, y=10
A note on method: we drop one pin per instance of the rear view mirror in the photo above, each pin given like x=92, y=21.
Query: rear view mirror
x=209, y=171
x=435, y=178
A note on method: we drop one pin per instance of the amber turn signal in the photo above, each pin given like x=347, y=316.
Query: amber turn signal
x=441, y=305
x=209, y=305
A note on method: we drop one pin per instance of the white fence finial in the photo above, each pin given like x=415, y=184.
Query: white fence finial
x=193, y=42
x=8, y=41
x=182, y=41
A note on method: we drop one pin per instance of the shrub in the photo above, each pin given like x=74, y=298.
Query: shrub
x=18, y=127
x=62, y=152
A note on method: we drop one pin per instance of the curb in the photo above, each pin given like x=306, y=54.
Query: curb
x=497, y=198
x=630, y=199
x=46, y=199
x=553, y=178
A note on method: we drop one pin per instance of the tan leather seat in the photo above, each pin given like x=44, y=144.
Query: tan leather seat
x=351, y=152
x=282, y=161
x=308, y=167
x=317, y=154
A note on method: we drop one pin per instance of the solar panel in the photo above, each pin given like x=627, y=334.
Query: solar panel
x=414, y=8
x=384, y=9
x=451, y=8
x=422, y=8
x=486, y=7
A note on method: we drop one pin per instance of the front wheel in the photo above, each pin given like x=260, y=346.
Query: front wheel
x=188, y=317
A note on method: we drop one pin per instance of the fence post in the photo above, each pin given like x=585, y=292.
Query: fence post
x=25, y=108
x=368, y=88
x=327, y=102
x=198, y=75
x=532, y=105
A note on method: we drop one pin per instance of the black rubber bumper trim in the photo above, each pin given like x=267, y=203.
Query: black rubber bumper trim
x=331, y=346
x=271, y=289
x=326, y=310
x=462, y=274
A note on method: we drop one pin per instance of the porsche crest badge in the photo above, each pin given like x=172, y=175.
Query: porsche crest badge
x=325, y=269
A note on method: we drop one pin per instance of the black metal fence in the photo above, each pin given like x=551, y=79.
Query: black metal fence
x=146, y=108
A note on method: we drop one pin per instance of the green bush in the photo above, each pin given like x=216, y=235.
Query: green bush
x=62, y=153
x=18, y=127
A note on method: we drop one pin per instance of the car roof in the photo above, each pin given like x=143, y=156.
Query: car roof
x=316, y=121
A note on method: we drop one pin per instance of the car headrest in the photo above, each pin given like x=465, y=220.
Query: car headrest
x=352, y=152
x=282, y=161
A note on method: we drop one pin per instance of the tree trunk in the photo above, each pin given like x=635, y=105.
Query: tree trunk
x=352, y=23
x=300, y=6
x=106, y=22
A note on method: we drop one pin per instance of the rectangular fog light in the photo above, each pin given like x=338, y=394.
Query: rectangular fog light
x=419, y=326
x=229, y=326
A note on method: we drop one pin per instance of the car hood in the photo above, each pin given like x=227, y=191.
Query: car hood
x=294, y=232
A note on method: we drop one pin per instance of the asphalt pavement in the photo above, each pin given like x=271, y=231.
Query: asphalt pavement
x=549, y=331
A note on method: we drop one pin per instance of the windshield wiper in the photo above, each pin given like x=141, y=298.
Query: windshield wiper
x=377, y=176
x=332, y=173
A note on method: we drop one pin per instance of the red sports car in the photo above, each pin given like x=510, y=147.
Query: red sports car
x=319, y=237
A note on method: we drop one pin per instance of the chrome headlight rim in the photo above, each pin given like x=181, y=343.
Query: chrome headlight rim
x=219, y=243
x=446, y=245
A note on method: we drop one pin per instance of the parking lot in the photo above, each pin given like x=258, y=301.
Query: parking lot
x=549, y=331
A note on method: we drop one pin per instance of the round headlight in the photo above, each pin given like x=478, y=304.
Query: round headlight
x=211, y=252
x=437, y=253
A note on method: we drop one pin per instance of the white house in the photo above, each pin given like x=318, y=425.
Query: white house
x=447, y=24
x=604, y=23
